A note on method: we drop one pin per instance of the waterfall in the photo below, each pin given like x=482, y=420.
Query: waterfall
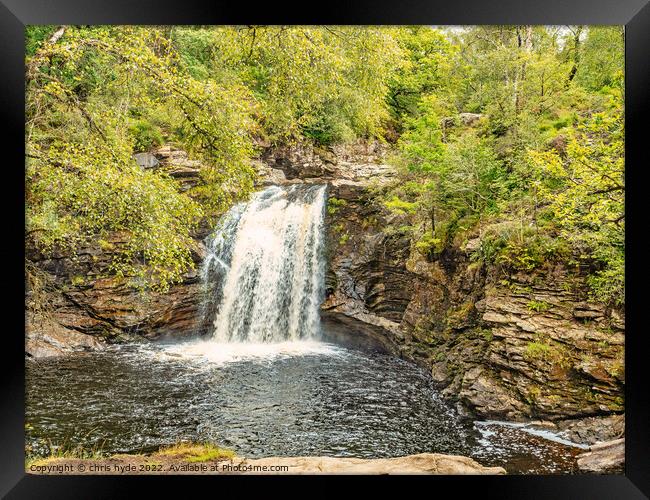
x=264, y=271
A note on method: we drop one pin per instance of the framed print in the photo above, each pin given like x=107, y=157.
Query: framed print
x=387, y=241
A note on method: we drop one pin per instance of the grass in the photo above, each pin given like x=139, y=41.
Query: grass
x=184, y=451
x=57, y=452
x=553, y=353
x=196, y=452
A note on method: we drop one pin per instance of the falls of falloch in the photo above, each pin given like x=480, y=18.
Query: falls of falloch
x=264, y=271
x=260, y=379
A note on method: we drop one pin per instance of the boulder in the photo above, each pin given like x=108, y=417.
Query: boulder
x=604, y=458
x=47, y=339
x=593, y=429
x=146, y=160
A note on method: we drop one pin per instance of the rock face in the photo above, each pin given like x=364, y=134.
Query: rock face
x=87, y=308
x=178, y=165
x=353, y=163
x=367, y=284
x=517, y=347
x=604, y=458
x=50, y=338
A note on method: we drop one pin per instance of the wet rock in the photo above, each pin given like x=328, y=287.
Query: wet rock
x=604, y=458
x=594, y=429
x=47, y=338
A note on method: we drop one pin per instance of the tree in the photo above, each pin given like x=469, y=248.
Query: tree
x=585, y=193
x=85, y=89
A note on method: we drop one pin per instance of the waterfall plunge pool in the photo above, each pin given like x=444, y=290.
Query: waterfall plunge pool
x=275, y=399
x=263, y=384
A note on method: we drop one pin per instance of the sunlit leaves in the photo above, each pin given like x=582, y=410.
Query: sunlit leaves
x=88, y=96
x=584, y=192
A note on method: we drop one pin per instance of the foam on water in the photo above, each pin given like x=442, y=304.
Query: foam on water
x=221, y=353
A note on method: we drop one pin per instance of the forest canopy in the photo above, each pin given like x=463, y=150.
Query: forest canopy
x=511, y=132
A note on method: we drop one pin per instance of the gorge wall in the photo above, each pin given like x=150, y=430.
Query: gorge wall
x=505, y=345
x=76, y=305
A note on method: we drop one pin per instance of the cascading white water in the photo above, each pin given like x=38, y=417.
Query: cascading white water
x=264, y=271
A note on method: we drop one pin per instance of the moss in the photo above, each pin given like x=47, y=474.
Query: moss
x=537, y=350
x=371, y=221
x=533, y=394
x=78, y=280
x=196, y=452
x=551, y=352
x=460, y=314
x=105, y=245
x=616, y=369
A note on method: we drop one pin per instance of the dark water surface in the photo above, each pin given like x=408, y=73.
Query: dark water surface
x=300, y=398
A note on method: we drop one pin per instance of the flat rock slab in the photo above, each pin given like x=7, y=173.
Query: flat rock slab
x=424, y=463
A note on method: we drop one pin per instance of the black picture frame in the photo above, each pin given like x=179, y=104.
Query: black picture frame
x=15, y=14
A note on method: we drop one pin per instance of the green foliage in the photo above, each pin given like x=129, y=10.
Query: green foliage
x=93, y=98
x=538, y=306
x=76, y=195
x=584, y=194
x=487, y=334
x=400, y=206
x=145, y=136
x=539, y=176
x=428, y=245
x=325, y=84
x=424, y=69
x=334, y=204
x=602, y=62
